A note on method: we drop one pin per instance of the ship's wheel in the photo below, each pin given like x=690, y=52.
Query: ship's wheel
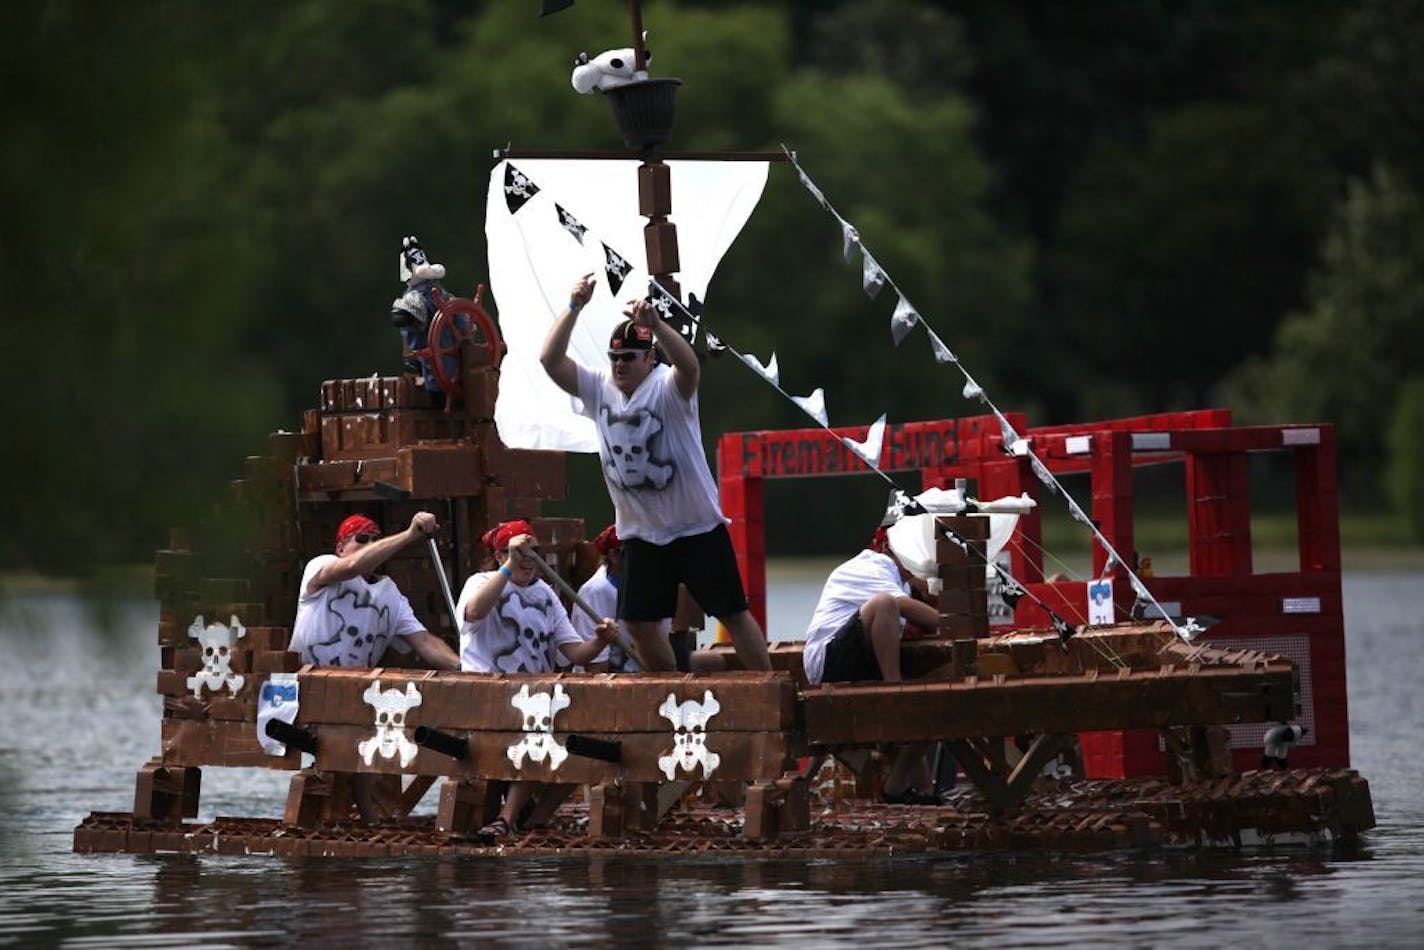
x=458, y=320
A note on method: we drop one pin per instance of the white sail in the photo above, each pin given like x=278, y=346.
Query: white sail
x=534, y=260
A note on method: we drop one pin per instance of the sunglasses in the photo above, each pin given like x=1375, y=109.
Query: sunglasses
x=366, y=538
x=625, y=356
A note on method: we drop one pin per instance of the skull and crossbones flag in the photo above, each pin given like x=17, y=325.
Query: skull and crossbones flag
x=518, y=189
x=570, y=223
x=680, y=318
x=616, y=268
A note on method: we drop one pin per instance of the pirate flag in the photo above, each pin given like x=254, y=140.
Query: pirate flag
x=674, y=314
x=517, y=188
x=616, y=267
x=570, y=223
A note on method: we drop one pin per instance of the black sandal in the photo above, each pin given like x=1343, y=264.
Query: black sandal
x=492, y=832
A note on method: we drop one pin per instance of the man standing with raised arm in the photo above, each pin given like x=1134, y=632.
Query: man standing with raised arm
x=664, y=496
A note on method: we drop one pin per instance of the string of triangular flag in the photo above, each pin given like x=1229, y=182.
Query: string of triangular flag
x=519, y=189
x=904, y=319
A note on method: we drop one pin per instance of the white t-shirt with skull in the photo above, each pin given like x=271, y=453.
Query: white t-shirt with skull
x=846, y=590
x=650, y=445
x=350, y=623
x=521, y=634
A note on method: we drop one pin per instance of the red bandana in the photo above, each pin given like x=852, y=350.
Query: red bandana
x=607, y=540
x=354, y=525
x=498, y=537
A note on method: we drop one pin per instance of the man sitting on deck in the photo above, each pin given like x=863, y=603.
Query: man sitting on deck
x=347, y=617
x=854, y=636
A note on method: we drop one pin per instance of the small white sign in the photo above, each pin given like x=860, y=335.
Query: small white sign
x=1300, y=605
x=1100, y=603
x=277, y=700
x=1151, y=441
x=1078, y=444
x=1300, y=437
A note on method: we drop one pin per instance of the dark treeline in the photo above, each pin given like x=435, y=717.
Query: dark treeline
x=1104, y=209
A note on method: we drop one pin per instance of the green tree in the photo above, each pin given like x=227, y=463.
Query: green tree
x=126, y=279
x=1405, y=472
x=1175, y=257
x=1345, y=358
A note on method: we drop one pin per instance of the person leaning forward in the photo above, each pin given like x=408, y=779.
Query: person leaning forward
x=854, y=636
x=347, y=617
x=664, y=497
x=511, y=621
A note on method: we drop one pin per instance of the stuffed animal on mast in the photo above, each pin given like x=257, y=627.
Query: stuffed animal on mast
x=608, y=70
x=413, y=310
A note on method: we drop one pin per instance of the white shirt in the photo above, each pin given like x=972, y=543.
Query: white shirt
x=521, y=633
x=350, y=623
x=650, y=445
x=600, y=594
x=847, y=589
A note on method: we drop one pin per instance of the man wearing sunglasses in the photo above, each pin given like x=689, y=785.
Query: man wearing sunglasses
x=346, y=616
x=664, y=497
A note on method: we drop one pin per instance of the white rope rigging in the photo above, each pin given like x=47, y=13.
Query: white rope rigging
x=905, y=318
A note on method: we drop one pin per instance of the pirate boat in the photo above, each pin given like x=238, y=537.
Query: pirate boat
x=1119, y=733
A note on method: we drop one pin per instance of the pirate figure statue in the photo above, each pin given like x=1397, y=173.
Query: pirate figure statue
x=413, y=310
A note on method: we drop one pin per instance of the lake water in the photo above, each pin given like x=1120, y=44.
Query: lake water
x=81, y=716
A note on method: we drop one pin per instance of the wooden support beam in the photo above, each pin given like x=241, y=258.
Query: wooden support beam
x=167, y=793
x=467, y=804
x=1043, y=749
x=606, y=808
x=413, y=793
x=313, y=798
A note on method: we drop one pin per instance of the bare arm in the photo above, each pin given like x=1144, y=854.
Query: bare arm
x=373, y=555
x=555, y=354
x=686, y=371
x=487, y=596
x=917, y=611
x=586, y=651
x=433, y=650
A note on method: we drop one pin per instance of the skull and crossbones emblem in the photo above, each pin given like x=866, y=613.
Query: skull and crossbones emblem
x=538, y=741
x=217, y=641
x=391, y=706
x=689, y=722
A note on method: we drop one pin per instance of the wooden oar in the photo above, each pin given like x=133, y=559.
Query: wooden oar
x=444, y=581
x=625, y=641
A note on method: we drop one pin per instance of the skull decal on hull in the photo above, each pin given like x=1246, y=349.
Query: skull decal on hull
x=391, y=706
x=217, y=642
x=538, y=742
x=689, y=740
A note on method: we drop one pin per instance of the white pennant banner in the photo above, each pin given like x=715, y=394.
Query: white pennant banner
x=869, y=450
x=768, y=372
x=903, y=320
x=851, y=237
x=814, y=405
x=942, y=353
x=872, y=277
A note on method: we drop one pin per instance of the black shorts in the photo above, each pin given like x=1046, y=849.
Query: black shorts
x=706, y=563
x=850, y=657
